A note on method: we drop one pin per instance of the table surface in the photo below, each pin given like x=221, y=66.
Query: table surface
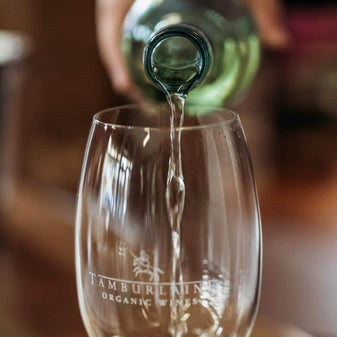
x=38, y=298
x=37, y=277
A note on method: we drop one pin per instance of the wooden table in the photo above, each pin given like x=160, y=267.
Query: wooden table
x=268, y=328
x=37, y=278
x=38, y=299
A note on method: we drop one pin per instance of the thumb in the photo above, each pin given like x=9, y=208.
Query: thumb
x=270, y=20
x=110, y=16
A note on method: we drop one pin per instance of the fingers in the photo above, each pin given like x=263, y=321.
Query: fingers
x=110, y=16
x=270, y=20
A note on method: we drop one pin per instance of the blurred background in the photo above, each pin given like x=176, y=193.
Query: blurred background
x=52, y=82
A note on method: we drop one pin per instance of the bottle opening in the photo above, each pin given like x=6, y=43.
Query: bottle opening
x=177, y=59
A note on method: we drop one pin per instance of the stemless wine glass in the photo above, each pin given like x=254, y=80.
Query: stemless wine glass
x=124, y=247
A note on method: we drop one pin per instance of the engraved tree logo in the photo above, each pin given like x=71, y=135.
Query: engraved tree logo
x=142, y=265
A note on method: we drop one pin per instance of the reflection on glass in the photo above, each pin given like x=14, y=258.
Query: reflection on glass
x=116, y=175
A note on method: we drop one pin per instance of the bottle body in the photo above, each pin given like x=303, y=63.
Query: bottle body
x=228, y=29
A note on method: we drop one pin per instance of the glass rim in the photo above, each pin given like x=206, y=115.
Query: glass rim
x=231, y=117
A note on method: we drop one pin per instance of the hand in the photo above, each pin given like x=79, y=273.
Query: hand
x=110, y=16
x=270, y=22
x=268, y=16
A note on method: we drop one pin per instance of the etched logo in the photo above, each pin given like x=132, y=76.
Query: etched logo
x=152, y=290
x=142, y=265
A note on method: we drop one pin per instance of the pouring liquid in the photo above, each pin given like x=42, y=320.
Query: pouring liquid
x=176, y=66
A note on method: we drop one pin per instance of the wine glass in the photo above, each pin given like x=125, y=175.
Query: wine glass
x=126, y=280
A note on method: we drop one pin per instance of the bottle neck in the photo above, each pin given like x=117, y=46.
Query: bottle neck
x=177, y=58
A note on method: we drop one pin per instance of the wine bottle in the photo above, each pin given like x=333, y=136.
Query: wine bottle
x=213, y=43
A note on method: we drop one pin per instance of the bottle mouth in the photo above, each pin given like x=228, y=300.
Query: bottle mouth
x=177, y=58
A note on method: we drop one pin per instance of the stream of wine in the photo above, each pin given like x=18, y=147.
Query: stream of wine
x=176, y=76
x=175, y=199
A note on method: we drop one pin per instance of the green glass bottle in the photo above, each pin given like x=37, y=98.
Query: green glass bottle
x=212, y=42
